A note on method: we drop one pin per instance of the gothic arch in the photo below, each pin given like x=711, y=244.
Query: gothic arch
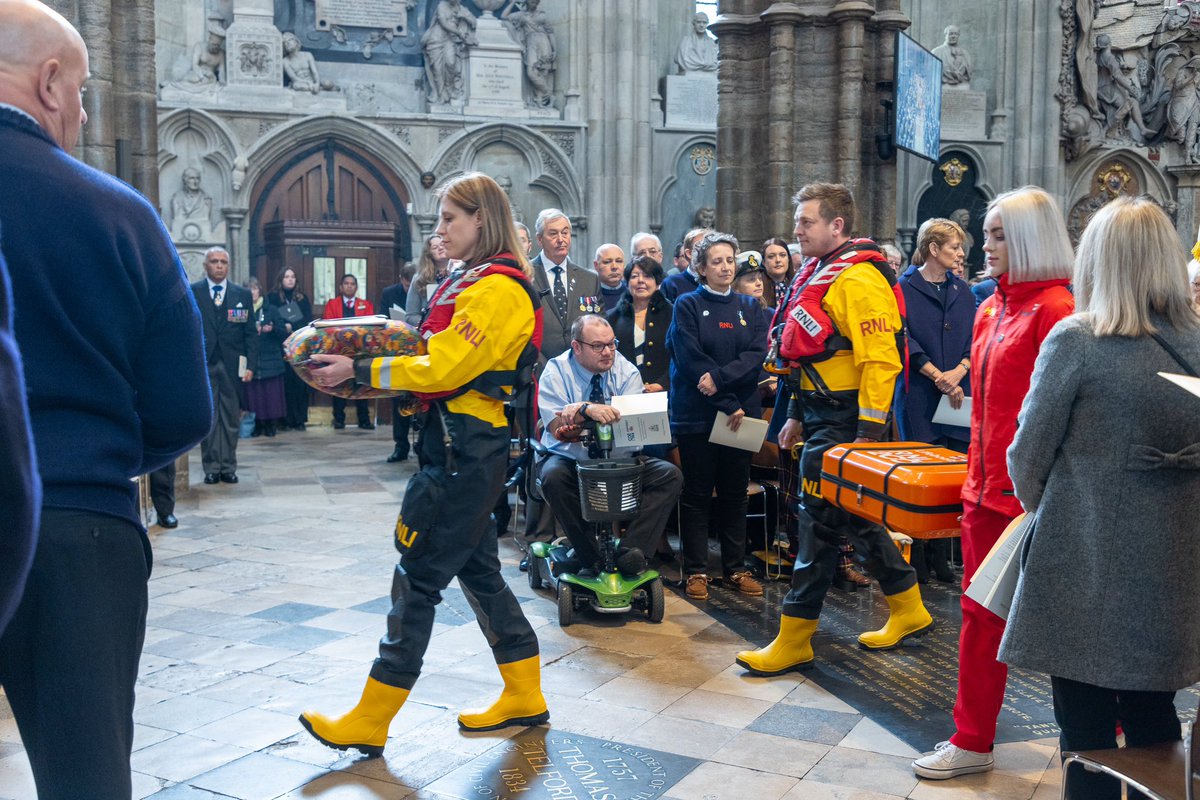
x=549, y=166
x=1147, y=174
x=264, y=156
x=656, y=220
x=983, y=182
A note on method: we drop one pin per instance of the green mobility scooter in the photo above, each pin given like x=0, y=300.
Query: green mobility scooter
x=610, y=492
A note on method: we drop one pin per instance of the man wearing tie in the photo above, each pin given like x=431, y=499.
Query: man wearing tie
x=349, y=305
x=568, y=291
x=231, y=342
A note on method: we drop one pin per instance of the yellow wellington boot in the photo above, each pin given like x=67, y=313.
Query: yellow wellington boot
x=364, y=727
x=791, y=650
x=908, y=618
x=521, y=702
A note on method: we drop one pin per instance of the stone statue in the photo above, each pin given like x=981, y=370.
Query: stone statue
x=506, y=184
x=207, y=69
x=956, y=61
x=531, y=29
x=299, y=67
x=191, y=210
x=697, y=51
x=963, y=218
x=451, y=31
x=706, y=217
x=240, y=164
x=1183, y=109
x=1118, y=95
x=1085, y=56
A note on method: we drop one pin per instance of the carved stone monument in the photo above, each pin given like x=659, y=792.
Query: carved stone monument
x=495, y=70
x=697, y=52
x=299, y=67
x=531, y=29
x=254, y=46
x=964, y=112
x=445, y=44
x=691, y=100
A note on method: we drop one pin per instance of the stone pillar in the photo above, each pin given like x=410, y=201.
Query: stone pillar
x=850, y=16
x=234, y=218
x=741, y=134
x=254, y=47
x=781, y=19
x=1188, y=196
x=878, y=213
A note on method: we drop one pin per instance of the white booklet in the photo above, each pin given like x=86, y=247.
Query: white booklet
x=1183, y=381
x=749, y=435
x=945, y=415
x=995, y=582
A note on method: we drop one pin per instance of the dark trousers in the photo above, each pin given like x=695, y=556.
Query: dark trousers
x=218, y=451
x=162, y=490
x=295, y=396
x=1087, y=718
x=661, y=483
x=401, y=425
x=69, y=658
x=443, y=532
x=361, y=406
x=820, y=525
x=708, y=467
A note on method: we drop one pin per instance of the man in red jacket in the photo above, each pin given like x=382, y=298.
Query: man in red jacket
x=348, y=305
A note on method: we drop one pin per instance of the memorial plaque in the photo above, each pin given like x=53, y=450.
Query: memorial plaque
x=964, y=115
x=692, y=102
x=391, y=14
x=541, y=763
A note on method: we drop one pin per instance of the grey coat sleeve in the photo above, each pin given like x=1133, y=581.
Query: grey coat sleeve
x=415, y=303
x=1046, y=411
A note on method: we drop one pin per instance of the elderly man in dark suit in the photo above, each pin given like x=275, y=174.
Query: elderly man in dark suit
x=568, y=290
x=231, y=344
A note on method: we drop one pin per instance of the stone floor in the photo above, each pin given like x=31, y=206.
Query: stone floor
x=269, y=597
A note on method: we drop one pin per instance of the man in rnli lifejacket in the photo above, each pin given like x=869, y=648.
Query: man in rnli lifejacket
x=482, y=334
x=843, y=320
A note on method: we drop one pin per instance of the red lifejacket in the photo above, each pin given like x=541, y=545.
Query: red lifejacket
x=441, y=311
x=802, y=332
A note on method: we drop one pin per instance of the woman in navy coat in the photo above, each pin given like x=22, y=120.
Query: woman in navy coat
x=941, y=316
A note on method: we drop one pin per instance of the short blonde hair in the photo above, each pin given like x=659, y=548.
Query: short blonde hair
x=1039, y=248
x=475, y=191
x=1131, y=265
x=939, y=231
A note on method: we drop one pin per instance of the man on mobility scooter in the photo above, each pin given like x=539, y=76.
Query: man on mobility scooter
x=573, y=394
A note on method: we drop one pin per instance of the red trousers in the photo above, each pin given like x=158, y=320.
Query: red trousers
x=981, y=677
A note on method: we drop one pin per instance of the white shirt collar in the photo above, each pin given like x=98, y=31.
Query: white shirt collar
x=223, y=284
x=711, y=290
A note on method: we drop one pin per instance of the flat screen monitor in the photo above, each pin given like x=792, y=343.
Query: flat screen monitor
x=918, y=82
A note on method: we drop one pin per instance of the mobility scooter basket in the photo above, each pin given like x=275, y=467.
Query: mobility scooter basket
x=610, y=490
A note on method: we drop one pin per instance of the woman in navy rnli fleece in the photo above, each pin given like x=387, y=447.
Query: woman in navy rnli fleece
x=717, y=341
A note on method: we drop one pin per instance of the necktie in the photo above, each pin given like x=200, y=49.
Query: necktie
x=560, y=293
x=217, y=296
x=596, y=395
x=350, y=309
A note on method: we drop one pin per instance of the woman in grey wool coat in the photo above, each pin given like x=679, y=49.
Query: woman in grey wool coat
x=1108, y=455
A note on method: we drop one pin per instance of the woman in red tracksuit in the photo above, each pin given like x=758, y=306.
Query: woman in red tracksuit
x=1029, y=253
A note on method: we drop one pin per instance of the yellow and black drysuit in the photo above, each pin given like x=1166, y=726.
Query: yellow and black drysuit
x=843, y=395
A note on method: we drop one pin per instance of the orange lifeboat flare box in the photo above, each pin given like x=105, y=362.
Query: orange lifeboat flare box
x=909, y=487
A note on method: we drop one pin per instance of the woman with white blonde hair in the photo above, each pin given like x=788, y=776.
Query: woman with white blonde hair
x=1029, y=253
x=1108, y=457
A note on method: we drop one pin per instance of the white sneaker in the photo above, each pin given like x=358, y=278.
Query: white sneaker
x=950, y=761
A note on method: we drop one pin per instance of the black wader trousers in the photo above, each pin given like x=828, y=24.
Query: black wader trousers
x=826, y=426
x=444, y=532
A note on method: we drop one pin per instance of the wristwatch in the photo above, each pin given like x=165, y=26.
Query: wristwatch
x=583, y=410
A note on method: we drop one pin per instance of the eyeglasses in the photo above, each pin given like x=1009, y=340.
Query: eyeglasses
x=649, y=251
x=600, y=347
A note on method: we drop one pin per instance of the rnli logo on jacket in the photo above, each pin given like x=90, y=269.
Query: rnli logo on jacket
x=405, y=536
x=473, y=335
x=877, y=325
x=806, y=321
x=724, y=325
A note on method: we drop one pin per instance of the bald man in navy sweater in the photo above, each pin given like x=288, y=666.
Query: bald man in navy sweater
x=114, y=366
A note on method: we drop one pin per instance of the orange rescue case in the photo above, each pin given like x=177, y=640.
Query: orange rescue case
x=909, y=487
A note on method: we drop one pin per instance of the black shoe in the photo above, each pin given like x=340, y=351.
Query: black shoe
x=337, y=426
x=229, y=477
x=269, y=430
x=211, y=478
x=299, y=426
x=524, y=565
x=367, y=426
x=167, y=521
x=399, y=454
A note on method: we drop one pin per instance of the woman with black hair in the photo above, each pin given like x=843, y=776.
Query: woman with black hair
x=641, y=320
